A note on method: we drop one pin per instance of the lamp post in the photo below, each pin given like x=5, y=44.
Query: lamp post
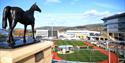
x=108, y=51
x=52, y=30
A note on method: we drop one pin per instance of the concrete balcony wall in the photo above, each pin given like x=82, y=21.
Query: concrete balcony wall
x=26, y=54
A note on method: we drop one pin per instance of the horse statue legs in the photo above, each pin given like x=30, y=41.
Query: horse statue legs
x=33, y=32
x=11, y=36
x=11, y=40
x=24, y=37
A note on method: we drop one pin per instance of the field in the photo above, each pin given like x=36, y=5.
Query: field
x=83, y=55
x=69, y=42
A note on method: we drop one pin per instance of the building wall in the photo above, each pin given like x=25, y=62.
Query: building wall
x=42, y=33
x=121, y=24
x=52, y=33
x=30, y=59
x=112, y=25
x=79, y=34
x=115, y=27
x=47, y=57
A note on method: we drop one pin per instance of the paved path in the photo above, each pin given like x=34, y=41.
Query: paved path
x=55, y=56
x=113, y=57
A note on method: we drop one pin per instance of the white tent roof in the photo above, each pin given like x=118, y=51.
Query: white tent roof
x=65, y=46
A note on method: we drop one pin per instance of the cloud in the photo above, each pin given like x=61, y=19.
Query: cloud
x=52, y=1
x=96, y=13
x=71, y=19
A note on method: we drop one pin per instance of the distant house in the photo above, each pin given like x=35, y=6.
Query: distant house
x=52, y=30
x=115, y=26
x=41, y=33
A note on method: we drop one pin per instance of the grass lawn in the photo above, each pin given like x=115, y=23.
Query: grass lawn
x=69, y=42
x=84, y=56
x=80, y=55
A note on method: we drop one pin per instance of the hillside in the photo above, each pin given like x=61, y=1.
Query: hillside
x=93, y=27
x=54, y=27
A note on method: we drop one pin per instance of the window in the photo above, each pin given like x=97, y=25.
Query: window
x=121, y=24
x=110, y=34
x=101, y=38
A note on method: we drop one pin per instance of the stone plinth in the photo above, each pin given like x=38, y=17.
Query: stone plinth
x=35, y=53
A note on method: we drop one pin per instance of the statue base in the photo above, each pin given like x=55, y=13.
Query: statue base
x=28, y=54
x=18, y=43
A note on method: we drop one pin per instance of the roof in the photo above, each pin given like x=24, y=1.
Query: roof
x=65, y=46
x=114, y=16
x=82, y=31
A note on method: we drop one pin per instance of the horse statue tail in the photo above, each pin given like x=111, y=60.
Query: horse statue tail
x=6, y=14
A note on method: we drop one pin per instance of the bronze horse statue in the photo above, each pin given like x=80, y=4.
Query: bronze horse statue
x=15, y=15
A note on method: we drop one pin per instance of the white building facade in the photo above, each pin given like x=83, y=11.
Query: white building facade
x=79, y=34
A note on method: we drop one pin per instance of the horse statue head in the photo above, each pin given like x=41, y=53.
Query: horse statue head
x=34, y=7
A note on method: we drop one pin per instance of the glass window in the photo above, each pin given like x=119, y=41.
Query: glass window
x=121, y=25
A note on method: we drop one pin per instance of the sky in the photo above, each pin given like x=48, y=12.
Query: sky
x=67, y=12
